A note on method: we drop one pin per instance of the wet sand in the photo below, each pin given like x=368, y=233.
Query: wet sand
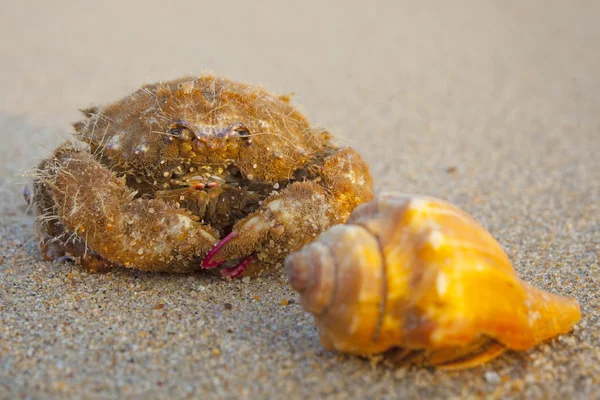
x=494, y=108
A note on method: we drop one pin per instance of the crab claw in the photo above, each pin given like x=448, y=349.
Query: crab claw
x=209, y=261
x=234, y=272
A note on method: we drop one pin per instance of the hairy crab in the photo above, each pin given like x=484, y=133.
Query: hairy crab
x=194, y=173
x=420, y=281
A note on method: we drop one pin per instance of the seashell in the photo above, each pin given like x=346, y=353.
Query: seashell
x=422, y=281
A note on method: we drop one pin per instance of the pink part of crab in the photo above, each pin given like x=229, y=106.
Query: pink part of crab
x=208, y=262
x=236, y=271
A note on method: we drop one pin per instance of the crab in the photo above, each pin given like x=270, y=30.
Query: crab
x=194, y=173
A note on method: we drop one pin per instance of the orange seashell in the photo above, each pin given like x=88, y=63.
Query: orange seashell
x=418, y=276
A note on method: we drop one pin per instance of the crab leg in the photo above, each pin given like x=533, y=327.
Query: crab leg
x=451, y=359
x=238, y=270
x=284, y=223
x=95, y=206
x=295, y=216
x=492, y=351
x=212, y=259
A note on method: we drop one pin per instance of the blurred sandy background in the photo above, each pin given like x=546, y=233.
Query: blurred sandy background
x=494, y=106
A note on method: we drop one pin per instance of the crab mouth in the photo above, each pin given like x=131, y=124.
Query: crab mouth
x=199, y=182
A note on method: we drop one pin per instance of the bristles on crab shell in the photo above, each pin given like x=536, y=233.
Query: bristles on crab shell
x=420, y=274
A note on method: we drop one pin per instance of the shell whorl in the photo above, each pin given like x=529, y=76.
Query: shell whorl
x=417, y=272
x=335, y=286
x=312, y=273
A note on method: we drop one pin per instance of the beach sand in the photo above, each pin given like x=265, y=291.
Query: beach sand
x=493, y=106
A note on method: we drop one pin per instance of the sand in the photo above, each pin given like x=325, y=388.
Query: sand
x=494, y=106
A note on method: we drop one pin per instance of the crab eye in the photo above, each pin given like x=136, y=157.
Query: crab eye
x=176, y=131
x=180, y=130
x=243, y=132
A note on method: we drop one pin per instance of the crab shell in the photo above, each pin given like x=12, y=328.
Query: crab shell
x=417, y=273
